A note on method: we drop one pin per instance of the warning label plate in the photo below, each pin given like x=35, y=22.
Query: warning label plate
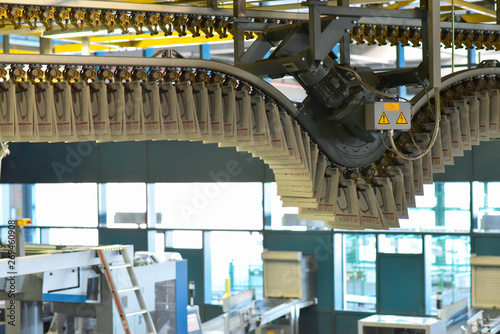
x=388, y=116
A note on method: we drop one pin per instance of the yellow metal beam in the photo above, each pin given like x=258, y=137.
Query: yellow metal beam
x=77, y=47
x=477, y=18
x=22, y=52
x=399, y=4
x=473, y=7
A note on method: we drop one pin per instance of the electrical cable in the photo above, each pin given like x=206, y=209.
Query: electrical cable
x=423, y=152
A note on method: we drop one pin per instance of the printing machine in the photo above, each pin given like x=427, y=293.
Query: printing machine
x=67, y=286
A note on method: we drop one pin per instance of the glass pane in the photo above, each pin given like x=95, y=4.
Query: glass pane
x=209, y=205
x=360, y=273
x=73, y=236
x=235, y=256
x=285, y=218
x=126, y=205
x=65, y=204
x=486, y=206
x=450, y=269
x=185, y=239
x=400, y=244
x=445, y=206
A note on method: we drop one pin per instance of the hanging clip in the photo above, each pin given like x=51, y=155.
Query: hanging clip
x=122, y=74
x=53, y=74
x=92, y=19
x=139, y=74
x=62, y=18
x=46, y=17
x=151, y=22
x=17, y=73
x=137, y=22
x=193, y=25
x=179, y=24
x=123, y=21
x=15, y=15
x=107, y=19
x=207, y=26
x=35, y=73
x=30, y=16
x=155, y=74
x=71, y=73
x=165, y=23
x=77, y=18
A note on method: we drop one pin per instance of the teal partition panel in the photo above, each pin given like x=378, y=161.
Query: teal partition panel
x=113, y=236
x=401, y=284
x=486, y=244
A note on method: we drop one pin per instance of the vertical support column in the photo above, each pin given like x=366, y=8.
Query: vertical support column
x=345, y=43
x=239, y=12
x=314, y=30
x=211, y=4
x=45, y=46
x=498, y=11
x=86, y=46
x=471, y=57
x=148, y=52
x=434, y=45
x=400, y=63
x=6, y=44
x=205, y=51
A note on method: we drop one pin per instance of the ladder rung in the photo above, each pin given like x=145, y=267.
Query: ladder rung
x=136, y=313
x=133, y=288
x=118, y=266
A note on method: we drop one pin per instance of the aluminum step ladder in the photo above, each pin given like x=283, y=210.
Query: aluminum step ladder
x=128, y=265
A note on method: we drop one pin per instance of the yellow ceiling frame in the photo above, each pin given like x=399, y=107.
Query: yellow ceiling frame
x=108, y=43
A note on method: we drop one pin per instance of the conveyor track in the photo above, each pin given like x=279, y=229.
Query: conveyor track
x=119, y=98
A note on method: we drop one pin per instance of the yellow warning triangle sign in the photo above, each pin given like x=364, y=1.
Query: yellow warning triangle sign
x=401, y=119
x=383, y=119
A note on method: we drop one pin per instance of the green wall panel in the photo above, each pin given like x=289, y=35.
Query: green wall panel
x=136, y=237
x=400, y=284
x=146, y=161
x=317, y=244
x=50, y=163
x=486, y=245
x=123, y=162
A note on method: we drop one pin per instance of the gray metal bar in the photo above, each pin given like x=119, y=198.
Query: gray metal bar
x=368, y=12
x=315, y=29
x=144, y=7
x=434, y=44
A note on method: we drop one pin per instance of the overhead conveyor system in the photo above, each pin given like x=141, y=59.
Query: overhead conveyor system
x=354, y=153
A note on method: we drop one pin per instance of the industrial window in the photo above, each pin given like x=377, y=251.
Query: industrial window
x=235, y=262
x=278, y=217
x=211, y=205
x=400, y=244
x=65, y=204
x=449, y=269
x=360, y=272
x=71, y=236
x=486, y=206
x=184, y=239
x=443, y=207
x=124, y=204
